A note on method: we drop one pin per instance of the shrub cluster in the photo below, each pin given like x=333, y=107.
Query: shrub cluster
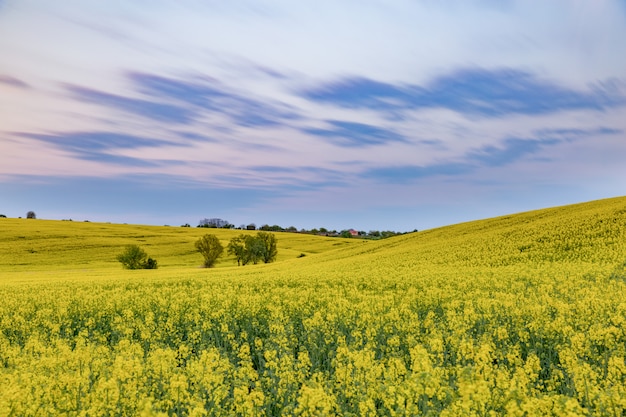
x=134, y=257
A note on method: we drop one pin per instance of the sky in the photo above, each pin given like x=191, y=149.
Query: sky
x=369, y=114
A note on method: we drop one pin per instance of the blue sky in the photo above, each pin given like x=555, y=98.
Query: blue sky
x=374, y=115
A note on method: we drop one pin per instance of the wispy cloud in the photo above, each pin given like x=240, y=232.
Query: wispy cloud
x=475, y=92
x=509, y=151
x=181, y=101
x=506, y=152
x=351, y=134
x=147, y=108
x=303, y=177
x=571, y=133
x=409, y=173
x=13, y=81
x=212, y=96
x=101, y=146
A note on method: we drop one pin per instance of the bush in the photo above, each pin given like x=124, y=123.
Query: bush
x=210, y=248
x=134, y=257
x=150, y=264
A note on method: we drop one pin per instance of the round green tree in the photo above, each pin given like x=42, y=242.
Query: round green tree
x=210, y=248
x=270, y=250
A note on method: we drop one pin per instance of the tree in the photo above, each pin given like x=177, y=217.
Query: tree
x=210, y=248
x=255, y=249
x=134, y=257
x=270, y=249
x=252, y=249
x=31, y=215
x=237, y=248
x=246, y=249
x=214, y=223
x=268, y=228
x=346, y=234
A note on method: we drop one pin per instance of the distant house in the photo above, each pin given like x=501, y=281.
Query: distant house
x=251, y=226
x=353, y=232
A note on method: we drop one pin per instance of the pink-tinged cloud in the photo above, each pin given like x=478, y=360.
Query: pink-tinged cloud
x=13, y=82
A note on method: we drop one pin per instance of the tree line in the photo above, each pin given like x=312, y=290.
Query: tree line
x=216, y=223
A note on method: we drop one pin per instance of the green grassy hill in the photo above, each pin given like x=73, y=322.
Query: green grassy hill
x=519, y=315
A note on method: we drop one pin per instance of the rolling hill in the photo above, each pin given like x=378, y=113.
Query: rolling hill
x=516, y=315
x=43, y=245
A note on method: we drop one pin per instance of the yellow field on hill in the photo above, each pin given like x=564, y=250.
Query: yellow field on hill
x=518, y=315
x=43, y=245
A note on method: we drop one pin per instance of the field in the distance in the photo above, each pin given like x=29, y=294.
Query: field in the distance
x=43, y=245
x=516, y=315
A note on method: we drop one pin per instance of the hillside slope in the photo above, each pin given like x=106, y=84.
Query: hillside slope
x=521, y=315
x=40, y=245
x=583, y=237
x=586, y=233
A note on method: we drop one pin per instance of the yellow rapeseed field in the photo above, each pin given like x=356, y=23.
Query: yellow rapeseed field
x=522, y=315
